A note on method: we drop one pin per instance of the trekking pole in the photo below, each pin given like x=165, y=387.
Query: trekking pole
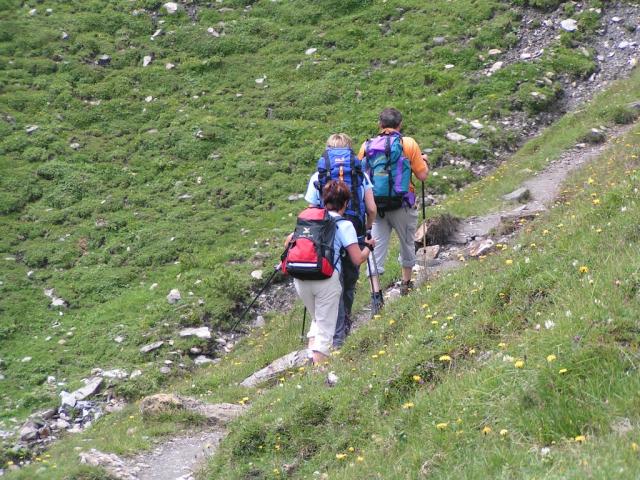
x=304, y=320
x=275, y=270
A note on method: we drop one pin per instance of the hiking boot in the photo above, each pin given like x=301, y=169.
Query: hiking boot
x=377, y=302
x=406, y=287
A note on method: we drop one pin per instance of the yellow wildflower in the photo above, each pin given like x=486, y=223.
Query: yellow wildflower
x=634, y=446
x=580, y=438
x=351, y=449
x=445, y=358
x=596, y=201
x=391, y=322
x=504, y=432
x=486, y=430
x=508, y=262
x=442, y=426
x=472, y=351
x=545, y=232
x=381, y=352
x=562, y=370
x=591, y=181
x=417, y=378
x=360, y=459
x=519, y=364
x=502, y=345
x=408, y=405
x=583, y=269
x=374, y=356
x=551, y=358
x=376, y=316
x=341, y=456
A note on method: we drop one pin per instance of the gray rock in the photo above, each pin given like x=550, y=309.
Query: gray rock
x=157, y=33
x=171, y=7
x=332, y=379
x=61, y=424
x=439, y=40
x=92, y=385
x=480, y=247
x=476, y=124
x=257, y=274
x=75, y=146
x=431, y=252
x=31, y=128
x=113, y=464
x=174, y=296
x=147, y=60
x=494, y=51
x=455, y=137
x=595, y=136
x=259, y=322
x=28, y=432
x=165, y=370
x=151, y=346
x=522, y=194
x=103, y=60
x=291, y=360
x=135, y=373
x=219, y=414
x=200, y=332
x=496, y=66
x=203, y=360
x=569, y=25
x=169, y=66
x=116, y=373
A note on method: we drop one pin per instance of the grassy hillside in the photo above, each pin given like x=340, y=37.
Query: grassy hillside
x=179, y=176
x=522, y=365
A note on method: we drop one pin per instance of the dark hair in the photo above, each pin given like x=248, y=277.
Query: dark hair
x=390, y=118
x=335, y=195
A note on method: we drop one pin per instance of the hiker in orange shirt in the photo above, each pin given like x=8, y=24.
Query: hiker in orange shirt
x=390, y=160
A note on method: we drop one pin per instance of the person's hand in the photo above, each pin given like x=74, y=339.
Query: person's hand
x=370, y=242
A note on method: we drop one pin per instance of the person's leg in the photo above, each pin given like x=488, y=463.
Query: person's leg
x=349, y=278
x=404, y=221
x=381, y=233
x=327, y=299
x=305, y=292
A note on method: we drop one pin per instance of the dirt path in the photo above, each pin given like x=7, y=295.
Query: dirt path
x=178, y=458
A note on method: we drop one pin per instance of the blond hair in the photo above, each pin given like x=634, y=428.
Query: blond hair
x=338, y=140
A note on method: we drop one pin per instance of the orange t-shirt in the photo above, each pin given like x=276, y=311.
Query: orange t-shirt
x=410, y=149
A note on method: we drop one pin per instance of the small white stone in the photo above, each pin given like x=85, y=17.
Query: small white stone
x=496, y=66
x=616, y=19
x=570, y=25
x=153, y=286
x=26, y=359
x=169, y=66
x=495, y=51
x=146, y=60
x=624, y=44
x=310, y=51
x=148, y=99
x=257, y=274
x=171, y=7
x=455, y=137
x=476, y=124
x=449, y=66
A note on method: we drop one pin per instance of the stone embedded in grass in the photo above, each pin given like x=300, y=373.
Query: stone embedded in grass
x=310, y=51
x=103, y=60
x=439, y=40
x=165, y=370
x=455, y=137
x=496, y=66
x=495, y=51
x=569, y=25
x=203, y=360
x=257, y=274
x=480, y=247
x=169, y=66
x=170, y=7
x=147, y=60
x=476, y=124
x=31, y=128
x=151, y=346
x=174, y=296
x=116, y=373
x=519, y=195
x=157, y=33
x=200, y=332
x=64, y=36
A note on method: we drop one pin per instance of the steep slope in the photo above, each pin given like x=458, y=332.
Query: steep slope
x=118, y=176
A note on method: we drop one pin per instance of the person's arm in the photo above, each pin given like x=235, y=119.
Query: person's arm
x=419, y=165
x=370, y=207
x=288, y=240
x=357, y=255
x=312, y=195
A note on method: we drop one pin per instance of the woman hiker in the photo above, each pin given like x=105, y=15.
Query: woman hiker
x=322, y=297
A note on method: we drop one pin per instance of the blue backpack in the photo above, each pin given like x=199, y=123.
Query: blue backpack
x=343, y=165
x=389, y=171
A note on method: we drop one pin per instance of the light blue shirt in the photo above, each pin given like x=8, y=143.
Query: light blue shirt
x=345, y=236
x=313, y=195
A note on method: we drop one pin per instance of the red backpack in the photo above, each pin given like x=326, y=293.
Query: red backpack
x=310, y=253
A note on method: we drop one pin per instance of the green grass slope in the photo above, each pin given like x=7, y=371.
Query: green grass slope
x=521, y=365
x=140, y=175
